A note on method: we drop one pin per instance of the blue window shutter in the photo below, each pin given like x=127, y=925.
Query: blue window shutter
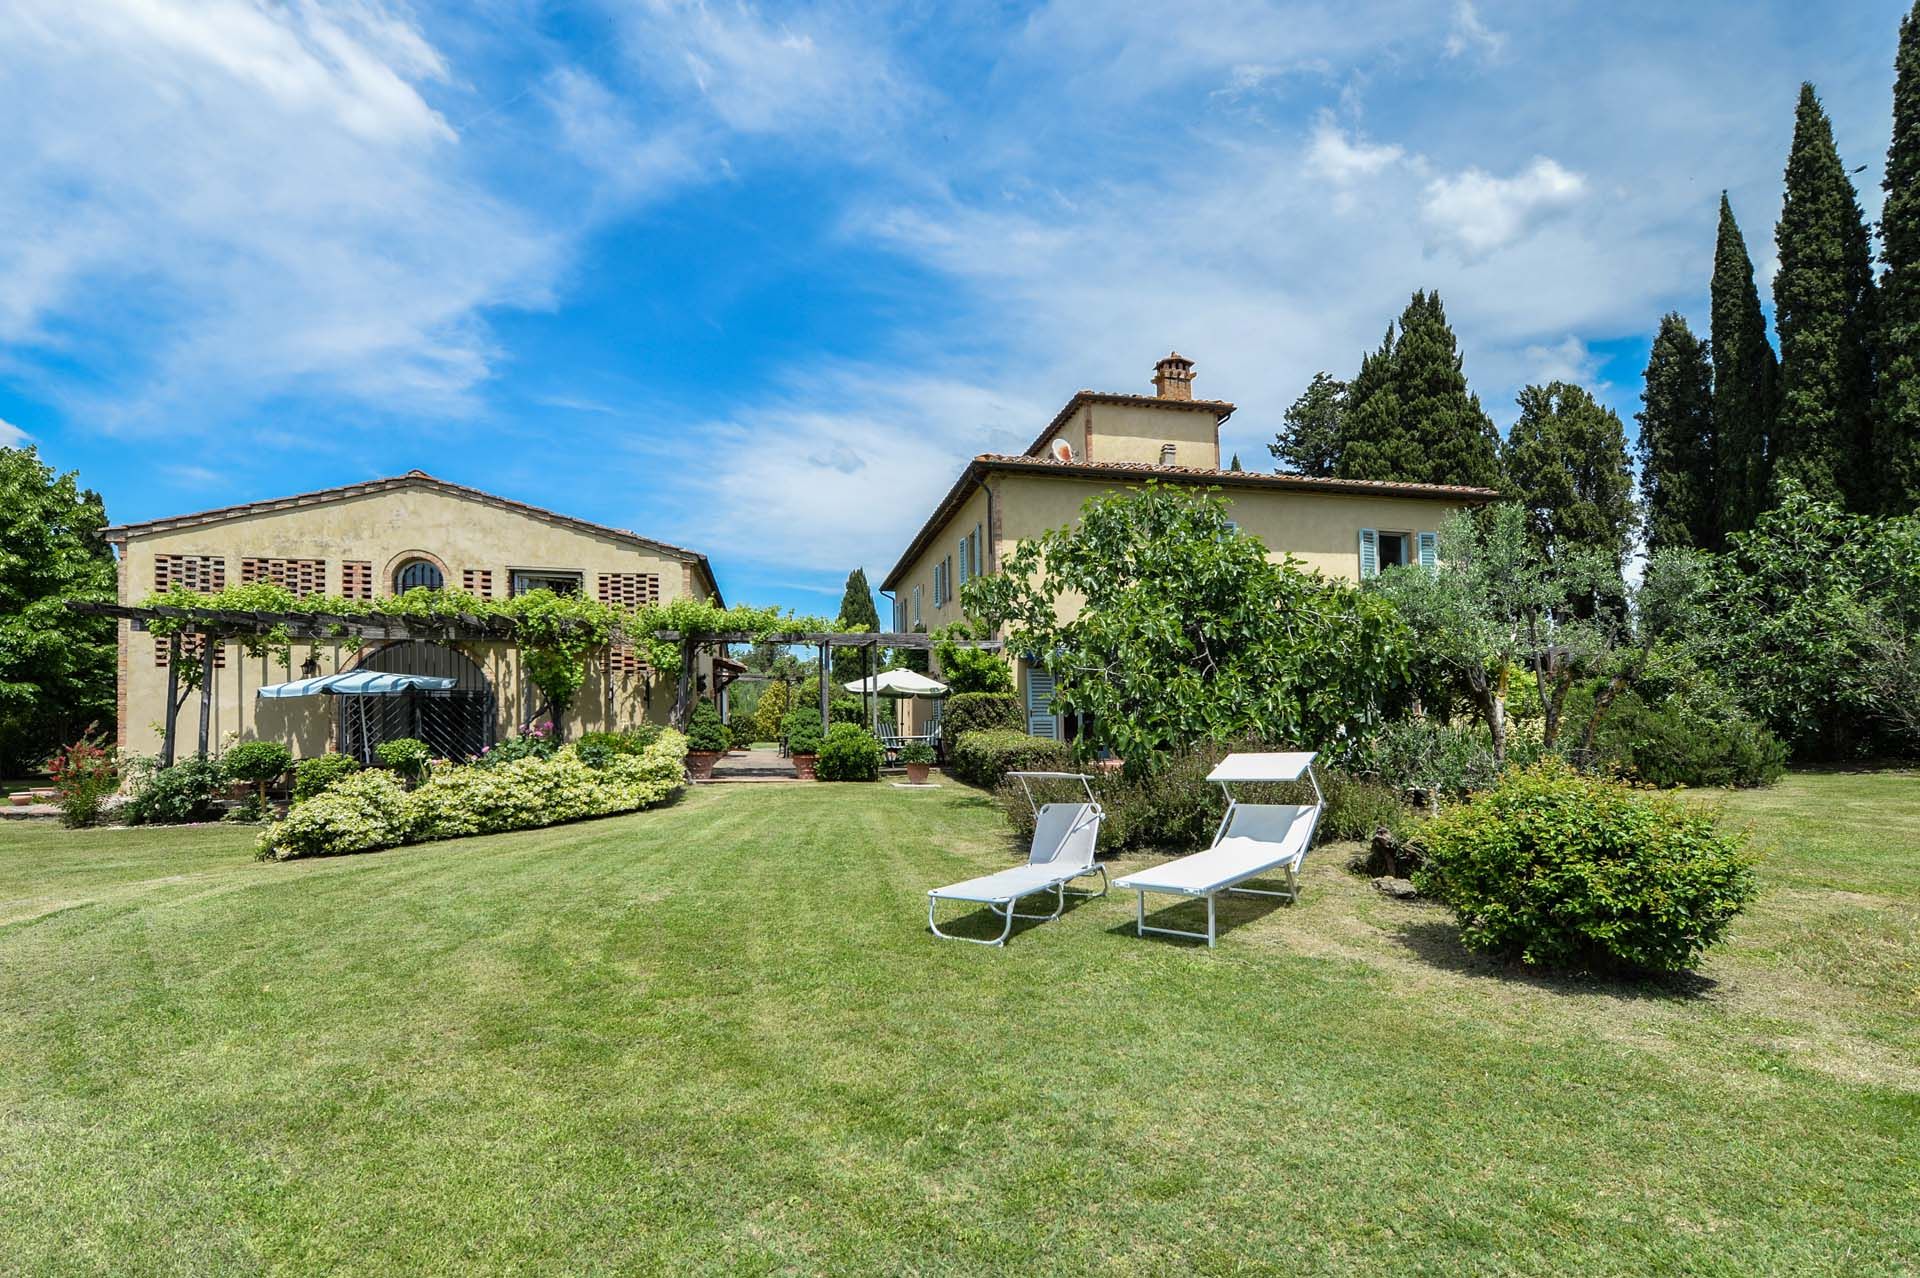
x=1369, y=553
x=979, y=556
x=1429, y=550
x=1040, y=717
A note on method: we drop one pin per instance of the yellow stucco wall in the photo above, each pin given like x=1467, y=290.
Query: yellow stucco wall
x=1136, y=433
x=385, y=528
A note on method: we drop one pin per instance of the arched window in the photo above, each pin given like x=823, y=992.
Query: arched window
x=417, y=572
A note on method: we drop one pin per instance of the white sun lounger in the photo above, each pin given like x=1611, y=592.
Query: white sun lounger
x=1063, y=843
x=1253, y=839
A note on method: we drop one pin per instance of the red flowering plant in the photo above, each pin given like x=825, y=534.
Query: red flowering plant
x=84, y=774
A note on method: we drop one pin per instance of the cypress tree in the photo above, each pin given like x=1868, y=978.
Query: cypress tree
x=856, y=609
x=1420, y=422
x=1236, y=463
x=1823, y=306
x=1676, y=441
x=1566, y=464
x=1746, y=384
x=1376, y=439
x=1897, y=419
x=1309, y=442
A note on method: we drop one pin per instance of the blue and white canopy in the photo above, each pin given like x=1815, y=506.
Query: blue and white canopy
x=357, y=683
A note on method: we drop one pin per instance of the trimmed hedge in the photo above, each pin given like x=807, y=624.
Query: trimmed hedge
x=1564, y=870
x=985, y=758
x=978, y=712
x=318, y=774
x=370, y=810
x=850, y=753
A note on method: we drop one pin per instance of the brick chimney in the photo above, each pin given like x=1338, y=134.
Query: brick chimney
x=1173, y=377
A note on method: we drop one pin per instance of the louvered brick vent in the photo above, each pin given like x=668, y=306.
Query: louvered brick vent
x=356, y=579
x=300, y=576
x=204, y=573
x=477, y=581
x=628, y=590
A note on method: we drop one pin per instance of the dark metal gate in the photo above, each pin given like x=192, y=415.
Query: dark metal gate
x=455, y=724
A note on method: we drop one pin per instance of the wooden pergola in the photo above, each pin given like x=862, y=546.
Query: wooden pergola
x=870, y=644
x=221, y=625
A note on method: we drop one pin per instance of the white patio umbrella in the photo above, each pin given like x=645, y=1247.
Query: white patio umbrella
x=898, y=683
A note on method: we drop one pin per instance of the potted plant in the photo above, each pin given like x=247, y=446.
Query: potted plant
x=253, y=764
x=918, y=756
x=802, y=731
x=707, y=740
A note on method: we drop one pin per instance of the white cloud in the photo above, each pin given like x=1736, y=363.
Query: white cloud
x=1478, y=214
x=1568, y=360
x=1331, y=155
x=12, y=436
x=1470, y=35
x=823, y=70
x=249, y=200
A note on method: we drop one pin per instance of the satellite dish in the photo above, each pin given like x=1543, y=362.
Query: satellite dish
x=1062, y=450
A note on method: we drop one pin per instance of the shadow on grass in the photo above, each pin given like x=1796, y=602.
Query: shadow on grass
x=1436, y=942
x=1230, y=913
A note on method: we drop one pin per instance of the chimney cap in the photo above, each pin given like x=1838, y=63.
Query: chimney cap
x=1173, y=377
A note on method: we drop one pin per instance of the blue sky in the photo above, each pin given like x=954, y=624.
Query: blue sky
x=757, y=279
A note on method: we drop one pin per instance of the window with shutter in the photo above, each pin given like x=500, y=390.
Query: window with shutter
x=979, y=555
x=965, y=559
x=1369, y=553
x=1041, y=721
x=1429, y=551
x=916, y=605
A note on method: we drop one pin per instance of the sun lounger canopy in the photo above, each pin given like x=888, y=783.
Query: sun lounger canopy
x=357, y=683
x=1263, y=767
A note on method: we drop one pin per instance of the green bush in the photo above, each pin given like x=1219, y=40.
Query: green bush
x=528, y=745
x=1357, y=807
x=706, y=732
x=978, y=712
x=371, y=811
x=1568, y=871
x=802, y=730
x=849, y=753
x=1673, y=745
x=257, y=761
x=356, y=813
x=171, y=796
x=315, y=775
x=597, y=749
x=984, y=758
x=1453, y=760
x=405, y=757
x=916, y=752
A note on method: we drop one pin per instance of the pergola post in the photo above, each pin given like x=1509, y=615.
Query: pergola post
x=680, y=697
x=206, y=690
x=826, y=675
x=173, y=699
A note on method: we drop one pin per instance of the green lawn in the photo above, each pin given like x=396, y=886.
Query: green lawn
x=716, y=1038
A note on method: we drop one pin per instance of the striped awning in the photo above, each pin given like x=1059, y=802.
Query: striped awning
x=357, y=683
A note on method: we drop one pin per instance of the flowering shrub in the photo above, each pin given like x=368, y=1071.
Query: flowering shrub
x=535, y=743
x=1564, y=870
x=316, y=774
x=84, y=773
x=357, y=815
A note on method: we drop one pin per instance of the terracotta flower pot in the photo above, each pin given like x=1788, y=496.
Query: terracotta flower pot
x=20, y=798
x=803, y=766
x=700, y=763
x=917, y=773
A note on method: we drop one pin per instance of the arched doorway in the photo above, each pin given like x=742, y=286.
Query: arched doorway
x=456, y=724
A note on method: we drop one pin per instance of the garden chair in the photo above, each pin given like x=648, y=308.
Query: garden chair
x=1064, y=835
x=1253, y=839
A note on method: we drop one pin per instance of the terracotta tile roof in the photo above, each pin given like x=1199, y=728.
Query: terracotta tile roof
x=985, y=463
x=119, y=533
x=1220, y=408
